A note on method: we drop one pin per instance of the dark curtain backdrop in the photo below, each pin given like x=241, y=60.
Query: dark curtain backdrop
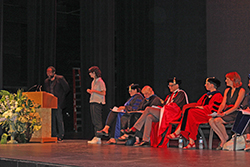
x=41, y=34
x=97, y=48
x=1, y=45
x=228, y=38
x=180, y=45
x=143, y=42
x=134, y=57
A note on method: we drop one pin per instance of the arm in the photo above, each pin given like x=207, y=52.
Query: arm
x=214, y=103
x=134, y=103
x=65, y=85
x=223, y=104
x=102, y=89
x=237, y=103
x=96, y=91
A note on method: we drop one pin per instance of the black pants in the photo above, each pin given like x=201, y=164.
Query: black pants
x=57, y=123
x=241, y=123
x=111, y=122
x=96, y=115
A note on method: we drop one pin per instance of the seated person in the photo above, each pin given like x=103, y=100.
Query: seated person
x=113, y=119
x=197, y=113
x=233, y=96
x=241, y=123
x=172, y=111
x=151, y=99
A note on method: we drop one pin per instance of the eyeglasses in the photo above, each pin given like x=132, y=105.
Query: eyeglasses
x=171, y=85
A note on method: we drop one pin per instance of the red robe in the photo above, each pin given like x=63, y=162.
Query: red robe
x=170, y=112
x=195, y=116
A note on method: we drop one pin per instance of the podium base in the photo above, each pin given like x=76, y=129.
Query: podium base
x=44, y=140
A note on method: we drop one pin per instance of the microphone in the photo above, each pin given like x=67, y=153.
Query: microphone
x=40, y=88
x=31, y=87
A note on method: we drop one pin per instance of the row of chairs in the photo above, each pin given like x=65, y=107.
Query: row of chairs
x=203, y=127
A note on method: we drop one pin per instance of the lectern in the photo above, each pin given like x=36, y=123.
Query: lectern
x=47, y=102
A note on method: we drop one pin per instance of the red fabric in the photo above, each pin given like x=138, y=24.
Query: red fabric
x=198, y=116
x=172, y=112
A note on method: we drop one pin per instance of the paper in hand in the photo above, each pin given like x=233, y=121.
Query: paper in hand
x=214, y=114
x=115, y=109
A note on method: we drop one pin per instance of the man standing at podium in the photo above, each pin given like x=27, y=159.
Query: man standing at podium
x=59, y=87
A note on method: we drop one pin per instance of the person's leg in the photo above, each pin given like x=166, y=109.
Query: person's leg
x=60, y=123
x=182, y=124
x=124, y=121
x=148, y=126
x=53, y=127
x=149, y=110
x=110, y=122
x=218, y=127
x=97, y=116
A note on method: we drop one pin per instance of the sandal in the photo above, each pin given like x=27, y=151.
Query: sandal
x=173, y=136
x=190, y=146
x=102, y=133
x=123, y=138
x=111, y=141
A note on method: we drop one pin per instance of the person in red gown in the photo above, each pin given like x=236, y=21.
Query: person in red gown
x=199, y=112
x=156, y=120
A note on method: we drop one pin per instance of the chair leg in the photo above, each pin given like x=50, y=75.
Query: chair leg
x=211, y=133
x=235, y=140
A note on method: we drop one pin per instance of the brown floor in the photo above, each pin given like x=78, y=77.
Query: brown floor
x=79, y=153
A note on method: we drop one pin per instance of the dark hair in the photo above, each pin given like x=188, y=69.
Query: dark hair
x=174, y=80
x=134, y=86
x=52, y=68
x=214, y=81
x=97, y=71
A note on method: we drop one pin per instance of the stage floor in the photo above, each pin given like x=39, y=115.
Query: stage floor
x=79, y=153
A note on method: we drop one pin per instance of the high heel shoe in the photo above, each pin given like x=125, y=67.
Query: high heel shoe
x=173, y=136
x=190, y=146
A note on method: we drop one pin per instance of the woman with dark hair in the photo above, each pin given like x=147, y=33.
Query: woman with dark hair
x=227, y=112
x=199, y=112
x=113, y=120
x=97, y=100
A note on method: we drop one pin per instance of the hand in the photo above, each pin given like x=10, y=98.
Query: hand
x=200, y=107
x=247, y=109
x=89, y=91
x=121, y=108
x=222, y=114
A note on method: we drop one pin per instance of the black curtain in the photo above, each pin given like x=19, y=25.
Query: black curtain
x=97, y=48
x=1, y=45
x=134, y=46
x=41, y=39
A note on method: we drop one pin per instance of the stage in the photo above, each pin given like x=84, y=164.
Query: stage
x=79, y=153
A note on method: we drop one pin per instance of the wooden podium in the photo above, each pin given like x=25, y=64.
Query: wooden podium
x=47, y=102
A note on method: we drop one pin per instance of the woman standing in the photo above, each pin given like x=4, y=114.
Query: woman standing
x=227, y=112
x=97, y=100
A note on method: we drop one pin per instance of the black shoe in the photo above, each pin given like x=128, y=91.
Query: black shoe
x=143, y=144
x=59, y=140
x=122, y=131
x=129, y=132
x=102, y=133
x=219, y=148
